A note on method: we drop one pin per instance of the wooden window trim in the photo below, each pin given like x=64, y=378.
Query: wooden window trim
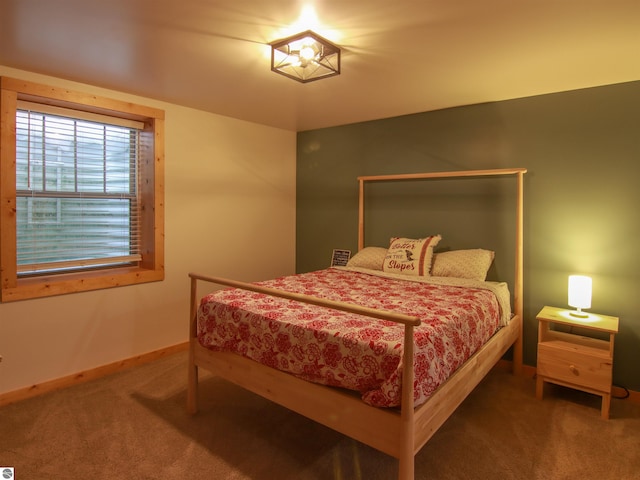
x=151, y=268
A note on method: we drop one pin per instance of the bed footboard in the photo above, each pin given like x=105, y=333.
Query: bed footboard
x=394, y=432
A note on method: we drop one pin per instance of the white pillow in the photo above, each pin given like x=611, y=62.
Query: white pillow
x=473, y=264
x=369, y=257
x=410, y=256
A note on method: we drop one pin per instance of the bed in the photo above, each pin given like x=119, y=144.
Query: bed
x=376, y=396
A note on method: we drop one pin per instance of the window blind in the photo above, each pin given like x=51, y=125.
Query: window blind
x=76, y=190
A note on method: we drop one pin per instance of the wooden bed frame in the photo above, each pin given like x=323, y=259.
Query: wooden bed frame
x=401, y=432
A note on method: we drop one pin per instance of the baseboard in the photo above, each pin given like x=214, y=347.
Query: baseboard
x=634, y=396
x=529, y=371
x=87, y=375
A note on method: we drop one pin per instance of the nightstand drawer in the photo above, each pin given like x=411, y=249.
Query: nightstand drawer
x=573, y=367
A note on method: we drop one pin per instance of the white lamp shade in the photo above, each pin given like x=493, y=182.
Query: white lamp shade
x=579, y=291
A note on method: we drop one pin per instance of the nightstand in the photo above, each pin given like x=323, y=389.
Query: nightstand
x=573, y=360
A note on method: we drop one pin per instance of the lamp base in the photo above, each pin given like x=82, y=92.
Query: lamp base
x=579, y=314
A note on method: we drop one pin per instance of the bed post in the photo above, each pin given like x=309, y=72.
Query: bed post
x=518, y=290
x=361, y=214
x=192, y=377
x=407, y=431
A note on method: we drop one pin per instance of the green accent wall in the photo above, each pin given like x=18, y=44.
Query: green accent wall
x=582, y=195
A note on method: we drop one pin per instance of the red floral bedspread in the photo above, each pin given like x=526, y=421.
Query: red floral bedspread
x=348, y=350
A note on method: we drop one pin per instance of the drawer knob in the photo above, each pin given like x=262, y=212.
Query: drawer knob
x=574, y=370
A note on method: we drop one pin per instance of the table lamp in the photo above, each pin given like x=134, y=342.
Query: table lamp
x=579, y=294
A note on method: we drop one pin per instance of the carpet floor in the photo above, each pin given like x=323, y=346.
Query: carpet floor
x=133, y=425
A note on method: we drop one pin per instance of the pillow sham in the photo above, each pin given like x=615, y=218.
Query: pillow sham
x=369, y=257
x=473, y=264
x=410, y=256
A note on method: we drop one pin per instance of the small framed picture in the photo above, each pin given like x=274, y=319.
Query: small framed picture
x=340, y=258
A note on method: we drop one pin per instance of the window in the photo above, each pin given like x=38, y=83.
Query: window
x=81, y=188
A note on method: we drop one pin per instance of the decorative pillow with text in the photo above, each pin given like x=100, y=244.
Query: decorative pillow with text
x=410, y=256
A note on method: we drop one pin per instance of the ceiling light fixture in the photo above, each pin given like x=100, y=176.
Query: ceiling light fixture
x=305, y=57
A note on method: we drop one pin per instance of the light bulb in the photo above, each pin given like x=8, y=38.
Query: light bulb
x=307, y=53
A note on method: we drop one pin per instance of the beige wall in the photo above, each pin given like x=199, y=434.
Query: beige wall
x=230, y=211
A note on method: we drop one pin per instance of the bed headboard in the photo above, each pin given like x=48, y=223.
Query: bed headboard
x=518, y=173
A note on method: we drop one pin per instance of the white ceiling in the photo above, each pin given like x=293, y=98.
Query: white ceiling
x=399, y=57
